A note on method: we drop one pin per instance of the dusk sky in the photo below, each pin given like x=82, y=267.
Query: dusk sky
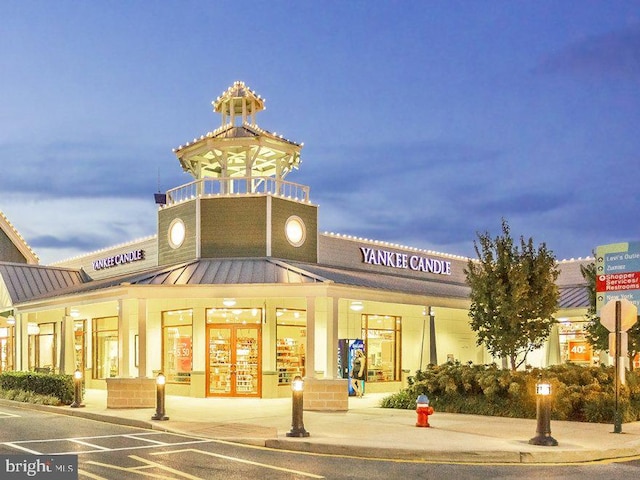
x=423, y=122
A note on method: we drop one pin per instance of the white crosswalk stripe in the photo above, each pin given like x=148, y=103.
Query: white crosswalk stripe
x=59, y=446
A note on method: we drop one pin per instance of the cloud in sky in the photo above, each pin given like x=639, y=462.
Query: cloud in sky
x=84, y=169
x=614, y=54
x=59, y=228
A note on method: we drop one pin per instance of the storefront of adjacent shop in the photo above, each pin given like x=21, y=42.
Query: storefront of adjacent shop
x=238, y=291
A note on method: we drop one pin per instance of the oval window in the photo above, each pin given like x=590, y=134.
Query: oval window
x=295, y=231
x=177, y=232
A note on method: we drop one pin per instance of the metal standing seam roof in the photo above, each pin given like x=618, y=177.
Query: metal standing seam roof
x=574, y=296
x=396, y=283
x=30, y=282
x=25, y=281
x=197, y=272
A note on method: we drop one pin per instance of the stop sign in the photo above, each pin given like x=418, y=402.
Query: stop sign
x=628, y=315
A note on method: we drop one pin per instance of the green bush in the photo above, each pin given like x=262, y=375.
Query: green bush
x=30, y=397
x=51, y=385
x=585, y=394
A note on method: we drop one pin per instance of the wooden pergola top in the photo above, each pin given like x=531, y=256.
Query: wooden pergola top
x=235, y=97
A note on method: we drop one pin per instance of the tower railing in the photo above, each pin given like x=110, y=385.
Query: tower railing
x=236, y=186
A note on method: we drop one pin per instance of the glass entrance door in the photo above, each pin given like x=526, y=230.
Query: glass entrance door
x=234, y=366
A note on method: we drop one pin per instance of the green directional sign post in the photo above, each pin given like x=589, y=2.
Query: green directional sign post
x=617, y=300
x=617, y=273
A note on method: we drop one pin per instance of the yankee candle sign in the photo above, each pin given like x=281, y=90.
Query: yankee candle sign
x=617, y=273
x=119, y=259
x=386, y=258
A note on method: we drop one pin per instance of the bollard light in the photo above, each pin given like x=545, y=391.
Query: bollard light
x=543, y=389
x=160, y=413
x=543, y=415
x=298, y=384
x=77, y=389
x=297, y=424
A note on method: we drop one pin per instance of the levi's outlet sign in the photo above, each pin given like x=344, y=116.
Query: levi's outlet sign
x=386, y=258
x=119, y=259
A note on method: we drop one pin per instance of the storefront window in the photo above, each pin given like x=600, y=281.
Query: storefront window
x=42, y=347
x=234, y=338
x=291, y=333
x=177, y=339
x=105, y=347
x=79, y=350
x=574, y=346
x=382, y=336
x=6, y=348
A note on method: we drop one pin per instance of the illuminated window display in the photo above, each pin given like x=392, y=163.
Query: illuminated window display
x=291, y=333
x=574, y=346
x=177, y=341
x=42, y=347
x=234, y=336
x=6, y=348
x=382, y=336
x=79, y=345
x=105, y=347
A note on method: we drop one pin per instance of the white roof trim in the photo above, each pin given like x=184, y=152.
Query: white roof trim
x=17, y=240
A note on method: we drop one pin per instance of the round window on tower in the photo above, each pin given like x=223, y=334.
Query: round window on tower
x=177, y=232
x=295, y=231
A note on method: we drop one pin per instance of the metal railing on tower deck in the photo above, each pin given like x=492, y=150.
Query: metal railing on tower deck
x=233, y=186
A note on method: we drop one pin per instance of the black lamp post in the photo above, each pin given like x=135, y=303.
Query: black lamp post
x=160, y=413
x=297, y=425
x=543, y=415
x=77, y=389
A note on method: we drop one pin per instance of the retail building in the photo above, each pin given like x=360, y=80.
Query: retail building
x=238, y=291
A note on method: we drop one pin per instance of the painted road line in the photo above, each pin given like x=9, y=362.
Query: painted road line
x=24, y=449
x=164, y=467
x=150, y=443
x=240, y=460
x=135, y=470
x=8, y=415
x=156, y=442
x=97, y=448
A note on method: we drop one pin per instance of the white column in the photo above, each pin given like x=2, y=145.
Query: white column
x=67, y=344
x=142, y=339
x=124, y=343
x=310, y=365
x=332, y=338
x=200, y=345
x=22, y=341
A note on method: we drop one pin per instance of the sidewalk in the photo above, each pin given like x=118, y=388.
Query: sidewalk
x=367, y=430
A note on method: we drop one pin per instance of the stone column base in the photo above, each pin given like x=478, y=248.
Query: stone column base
x=131, y=392
x=327, y=395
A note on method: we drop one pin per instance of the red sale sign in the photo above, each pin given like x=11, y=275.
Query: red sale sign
x=183, y=354
x=579, y=351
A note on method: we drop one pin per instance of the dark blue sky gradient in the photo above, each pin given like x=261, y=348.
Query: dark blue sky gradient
x=424, y=122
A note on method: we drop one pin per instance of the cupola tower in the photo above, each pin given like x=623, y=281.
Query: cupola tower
x=239, y=204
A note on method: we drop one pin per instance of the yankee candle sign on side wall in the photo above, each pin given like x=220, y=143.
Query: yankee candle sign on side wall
x=617, y=273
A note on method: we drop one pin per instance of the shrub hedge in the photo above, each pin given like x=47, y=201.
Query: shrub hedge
x=58, y=386
x=585, y=394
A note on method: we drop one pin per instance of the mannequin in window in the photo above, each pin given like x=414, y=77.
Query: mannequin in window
x=358, y=372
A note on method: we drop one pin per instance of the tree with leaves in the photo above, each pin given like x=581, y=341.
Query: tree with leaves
x=513, y=295
x=597, y=334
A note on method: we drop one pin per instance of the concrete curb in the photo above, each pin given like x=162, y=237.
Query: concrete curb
x=546, y=455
